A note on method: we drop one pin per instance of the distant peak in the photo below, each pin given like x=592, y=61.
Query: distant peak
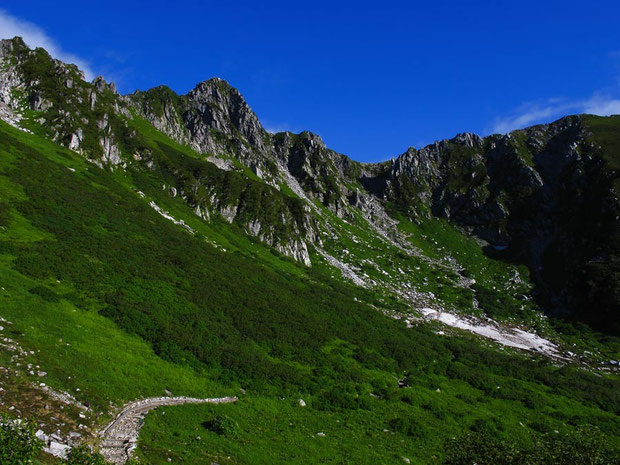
x=215, y=82
x=17, y=40
x=11, y=45
x=100, y=84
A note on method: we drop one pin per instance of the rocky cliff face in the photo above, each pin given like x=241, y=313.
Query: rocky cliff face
x=545, y=196
x=39, y=91
x=213, y=118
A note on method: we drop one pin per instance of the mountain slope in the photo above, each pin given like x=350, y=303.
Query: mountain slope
x=214, y=256
x=487, y=186
x=278, y=330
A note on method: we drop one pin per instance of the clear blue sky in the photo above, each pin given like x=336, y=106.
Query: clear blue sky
x=371, y=78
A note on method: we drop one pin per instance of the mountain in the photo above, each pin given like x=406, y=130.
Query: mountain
x=488, y=187
x=171, y=241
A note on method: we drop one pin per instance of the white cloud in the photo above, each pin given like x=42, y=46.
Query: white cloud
x=275, y=128
x=539, y=112
x=602, y=106
x=34, y=36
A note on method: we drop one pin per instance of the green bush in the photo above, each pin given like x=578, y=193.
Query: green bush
x=584, y=446
x=18, y=444
x=45, y=293
x=408, y=426
x=491, y=426
x=82, y=455
x=5, y=214
x=222, y=425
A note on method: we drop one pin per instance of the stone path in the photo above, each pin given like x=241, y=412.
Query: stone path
x=120, y=437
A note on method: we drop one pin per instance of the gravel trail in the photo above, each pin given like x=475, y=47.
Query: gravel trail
x=120, y=437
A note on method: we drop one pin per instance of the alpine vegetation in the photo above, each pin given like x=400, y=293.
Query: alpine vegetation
x=179, y=285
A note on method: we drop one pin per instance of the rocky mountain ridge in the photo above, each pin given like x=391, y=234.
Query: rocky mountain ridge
x=543, y=196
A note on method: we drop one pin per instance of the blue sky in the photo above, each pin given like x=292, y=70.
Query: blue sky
x=371, y=78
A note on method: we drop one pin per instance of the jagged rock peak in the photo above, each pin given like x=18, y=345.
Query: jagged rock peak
x=100, y=84
x=213, y=82
x=17, y=50
x=217, y=104
x=217, y=90
x=311, y=139
x=8, y=46
x=468, y=139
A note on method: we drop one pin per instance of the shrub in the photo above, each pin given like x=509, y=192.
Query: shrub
x=5, y=214
x=18, y=444
x=437, y=410
x=222, y=425
x=585, y=446
x=82, y=455
x=490, y=426
x=45, y=293
x=408, y=426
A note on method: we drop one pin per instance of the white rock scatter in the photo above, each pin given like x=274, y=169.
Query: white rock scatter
x=169, y=217
x=120, y=437
x=345, y=269
x=53, y=444
x=64, y=397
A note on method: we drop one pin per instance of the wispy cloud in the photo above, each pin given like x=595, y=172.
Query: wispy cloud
x=34, y=36
x=543, y=111
x=277, y=127
x=602, y=106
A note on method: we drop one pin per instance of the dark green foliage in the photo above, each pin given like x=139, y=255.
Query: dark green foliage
x=257, y=325
x=338, y=397
x=495, y=304
x=222, y=425
x=465, y=169
x=409, y=426
x=5, y=213
x=82, y=455
x=436, y=410
x=156, y=99
x=570, y=241
x=598, y=230
x=406, y=195
x=285, y=332
x=486, y=185
x=585, y=255
x=18, y=444
x=200, y=180
x=492, y=427
x=605, y=132
x=243, y=321
x=45, y=293
x=586, y=446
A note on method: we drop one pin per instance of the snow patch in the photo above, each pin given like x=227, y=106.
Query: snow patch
x=511, y=337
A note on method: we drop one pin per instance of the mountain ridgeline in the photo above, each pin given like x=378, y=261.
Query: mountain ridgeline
x=545, y=197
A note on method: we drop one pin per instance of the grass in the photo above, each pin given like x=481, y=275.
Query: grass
x=144, y=306
x=81, y=349
x=413, y=424
x=605, y=133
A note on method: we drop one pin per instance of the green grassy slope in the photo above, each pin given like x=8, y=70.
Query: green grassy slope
x=145, y=306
